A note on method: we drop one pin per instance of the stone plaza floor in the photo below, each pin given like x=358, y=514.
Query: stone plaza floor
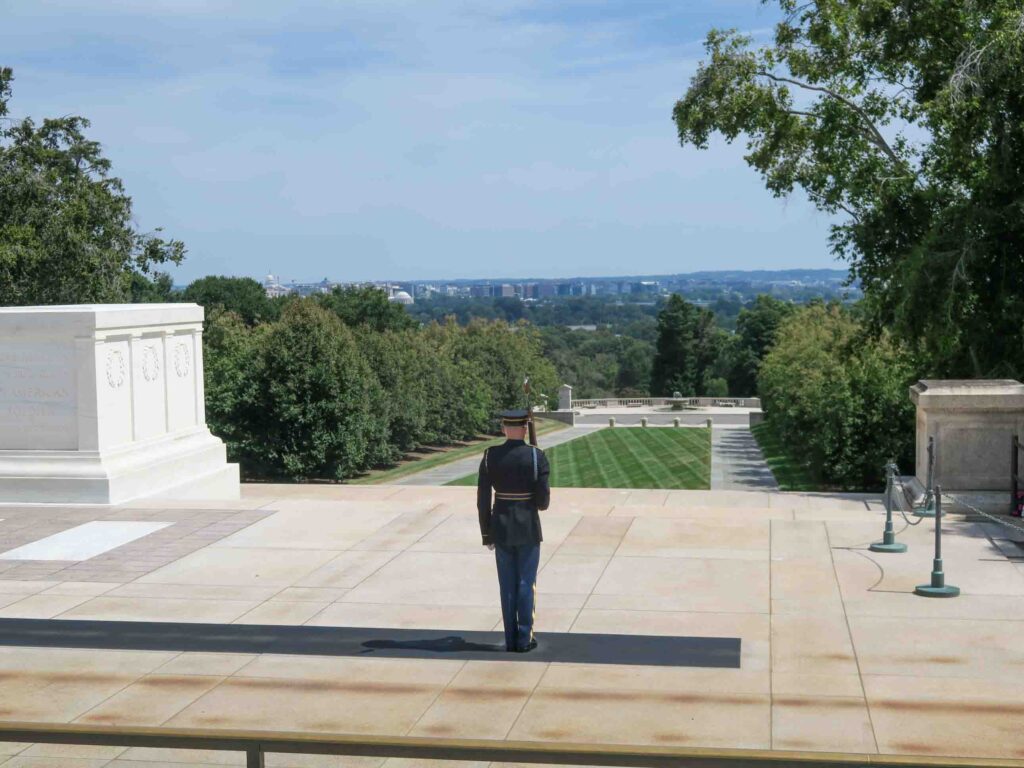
x=835, y=652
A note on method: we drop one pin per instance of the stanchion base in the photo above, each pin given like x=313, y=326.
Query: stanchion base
x=928, y=512
x=927, y=590
x=881, y=546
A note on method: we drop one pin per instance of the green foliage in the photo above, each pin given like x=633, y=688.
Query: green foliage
x=158, y=290
x=241, y=295
x=838, y=398
x=908, y=121
x=232, y=369
x=501, y=357
x=717, y=387
x=367, y=306
x=314, y=405
x=598, y=363
x=687, y=349
x=66, y=230
x=756, y=327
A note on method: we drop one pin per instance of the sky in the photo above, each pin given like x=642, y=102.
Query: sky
x=411, y=139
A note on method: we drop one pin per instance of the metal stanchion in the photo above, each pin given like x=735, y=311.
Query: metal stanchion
x=888, y=542
x=643, y=421
x=675, y=422
x=928, y=510
x=611, y=421
x=938, y=586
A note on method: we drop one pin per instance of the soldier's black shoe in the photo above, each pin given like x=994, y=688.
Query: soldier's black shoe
x=529, y=646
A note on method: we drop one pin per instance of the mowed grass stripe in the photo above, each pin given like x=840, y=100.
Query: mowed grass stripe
x=693, y=449
x=657, y=461
x=631, y=457
x=613, y=472
x=635, y=440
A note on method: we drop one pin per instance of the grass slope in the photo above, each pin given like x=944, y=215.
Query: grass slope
x=791, y=474
x=630, y=457
x=417, y=461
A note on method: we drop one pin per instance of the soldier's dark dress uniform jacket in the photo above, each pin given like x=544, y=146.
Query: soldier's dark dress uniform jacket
x=518, y=474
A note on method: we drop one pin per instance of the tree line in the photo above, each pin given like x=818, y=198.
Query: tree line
x=335, y=384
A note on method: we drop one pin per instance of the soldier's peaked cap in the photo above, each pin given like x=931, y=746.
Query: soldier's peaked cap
x=514, y=418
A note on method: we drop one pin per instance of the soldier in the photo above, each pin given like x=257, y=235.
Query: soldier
x=518, y=473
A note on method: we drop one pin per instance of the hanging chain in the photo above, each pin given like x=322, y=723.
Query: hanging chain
x=989, y=515
x=893, y=467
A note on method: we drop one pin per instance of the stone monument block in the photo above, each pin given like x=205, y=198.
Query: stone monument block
x=565, y=398
x=973, y=423
x=101, y=404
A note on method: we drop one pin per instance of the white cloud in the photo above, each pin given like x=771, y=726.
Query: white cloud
x=405, y=139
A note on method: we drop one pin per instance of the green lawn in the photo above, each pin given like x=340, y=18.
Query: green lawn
x=427, y=459
x=630, y=457
x=790, y=474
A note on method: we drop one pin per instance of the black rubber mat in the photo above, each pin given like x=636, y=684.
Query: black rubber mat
x=565, y=647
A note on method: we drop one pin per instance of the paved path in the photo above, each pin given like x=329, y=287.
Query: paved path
x=787, y=575
x=737, y=463
x=447, y=472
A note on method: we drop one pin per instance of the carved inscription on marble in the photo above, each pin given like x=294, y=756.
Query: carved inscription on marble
x=37, y=397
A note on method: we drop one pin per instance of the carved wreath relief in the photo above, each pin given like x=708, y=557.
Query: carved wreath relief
x=116, y=373
x=182, y=360
x=150, y=363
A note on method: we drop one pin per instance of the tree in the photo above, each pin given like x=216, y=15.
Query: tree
x=687, y=348
x=241, y=295
x=756, y=327
x=66, y=230
x=634, y=376
x=837, y=397
x=232, y=370
x=313, y=411
x=156, y=290
x=906, y=119
x=367, y=306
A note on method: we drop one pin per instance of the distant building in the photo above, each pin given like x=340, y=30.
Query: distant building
x=273, y=288
x=401, y=297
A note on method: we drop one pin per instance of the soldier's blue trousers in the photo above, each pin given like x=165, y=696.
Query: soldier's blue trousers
x=517, y=580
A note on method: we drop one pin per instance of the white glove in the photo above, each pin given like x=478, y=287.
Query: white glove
x=490, y=547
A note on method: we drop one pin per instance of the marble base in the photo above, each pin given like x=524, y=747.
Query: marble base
x=186, y=466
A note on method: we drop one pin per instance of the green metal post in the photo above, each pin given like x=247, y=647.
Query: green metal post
x=928, y=510
x=938, y=586
x=254, y=757
x=888, y=542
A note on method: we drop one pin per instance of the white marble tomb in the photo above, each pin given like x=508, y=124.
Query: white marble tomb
x=101, y=404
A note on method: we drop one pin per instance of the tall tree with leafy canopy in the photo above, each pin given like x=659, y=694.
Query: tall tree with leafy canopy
x=687, y=349
x=367, y=306
x=904, y=118
x=241, y=295
x=66, y=229
x=756, y=327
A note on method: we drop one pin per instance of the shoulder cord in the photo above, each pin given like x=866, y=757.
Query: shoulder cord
x=534, y=463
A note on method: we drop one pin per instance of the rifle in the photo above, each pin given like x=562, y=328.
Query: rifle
x=530, y=426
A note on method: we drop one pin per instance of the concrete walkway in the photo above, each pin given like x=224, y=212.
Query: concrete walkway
x=836, y=653
x=737, y=463
x=447, y=472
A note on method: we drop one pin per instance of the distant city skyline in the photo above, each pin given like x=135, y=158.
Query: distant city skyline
x=417, y=141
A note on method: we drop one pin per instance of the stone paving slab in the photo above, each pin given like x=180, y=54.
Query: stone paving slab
x=836, y=653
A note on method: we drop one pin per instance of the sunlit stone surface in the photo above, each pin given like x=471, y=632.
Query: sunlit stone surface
x=102, y=404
